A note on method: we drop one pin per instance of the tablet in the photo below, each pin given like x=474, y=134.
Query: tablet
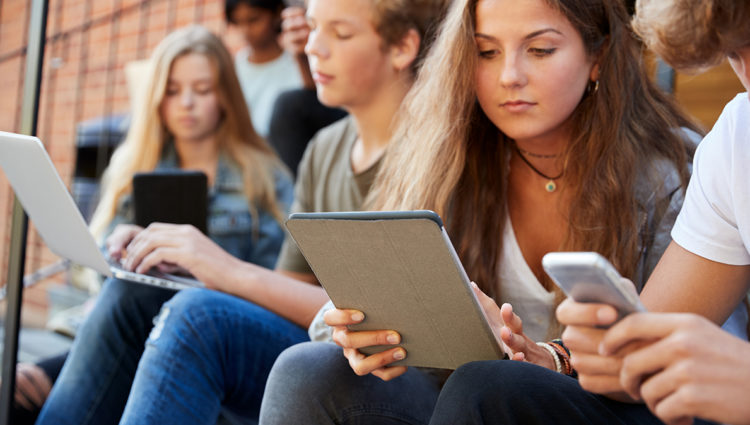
x=402, y=271
x=171, y=196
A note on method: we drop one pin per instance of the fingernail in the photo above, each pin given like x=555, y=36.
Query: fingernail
x=358, y=316
x=606, y=316
x=399, y=355
x=474, y=285
x=393, y=338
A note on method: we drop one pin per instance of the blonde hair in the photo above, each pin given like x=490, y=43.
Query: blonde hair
x=693, y=34
x=446, y=155
x=147, y=136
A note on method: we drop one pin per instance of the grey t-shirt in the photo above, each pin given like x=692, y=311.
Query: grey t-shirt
x=326, y=182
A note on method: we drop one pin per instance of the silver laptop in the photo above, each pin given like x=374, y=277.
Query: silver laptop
x=56, y=216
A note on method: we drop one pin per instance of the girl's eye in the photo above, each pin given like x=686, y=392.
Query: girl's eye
x=541, y=52
x=488, y=54
x=171, y=91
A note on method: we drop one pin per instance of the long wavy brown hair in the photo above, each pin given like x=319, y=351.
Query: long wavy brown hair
x=447, y=156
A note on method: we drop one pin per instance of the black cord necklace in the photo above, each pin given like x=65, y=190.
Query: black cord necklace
x=550, y=186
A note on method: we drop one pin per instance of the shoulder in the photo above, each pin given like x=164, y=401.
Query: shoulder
x=729, y=139
x=331, y=141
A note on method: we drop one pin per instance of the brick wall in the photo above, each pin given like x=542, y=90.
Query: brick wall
x=88, y=44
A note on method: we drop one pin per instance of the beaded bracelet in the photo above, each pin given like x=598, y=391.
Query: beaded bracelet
x=558, y=365
x=564, y=356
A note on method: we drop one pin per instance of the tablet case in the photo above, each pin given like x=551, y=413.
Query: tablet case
x=171, y=196
x=401, y=270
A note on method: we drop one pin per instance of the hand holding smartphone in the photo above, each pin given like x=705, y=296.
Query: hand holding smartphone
x=589, y=278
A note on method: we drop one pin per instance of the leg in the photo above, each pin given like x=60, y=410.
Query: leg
x=94, y=383
x=313, y=383
x=207, y=351
x=508, y=392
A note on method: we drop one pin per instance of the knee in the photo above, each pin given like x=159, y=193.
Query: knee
x=308, y=368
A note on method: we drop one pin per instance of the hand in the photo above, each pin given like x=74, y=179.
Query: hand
x=582, y=336
x=689, y=368
x=119, y=239
x=294, y=30
x=508, y=330
x=32, y=386
x=171, y=246
x=352, y=341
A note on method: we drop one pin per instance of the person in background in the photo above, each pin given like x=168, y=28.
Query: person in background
x=532, y=128
x=194, y=117
x=263, y=67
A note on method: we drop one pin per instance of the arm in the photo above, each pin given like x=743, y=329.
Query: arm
x=289, y=295
x=294, y=33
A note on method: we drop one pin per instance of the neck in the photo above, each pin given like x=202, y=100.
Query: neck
x=375, y=122
x=265, y=54
x=202, y=155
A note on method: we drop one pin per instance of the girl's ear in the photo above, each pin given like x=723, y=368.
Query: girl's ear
x=405, y=51
x=594, y=76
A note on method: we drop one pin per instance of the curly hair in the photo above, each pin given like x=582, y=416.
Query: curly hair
x=693, y=35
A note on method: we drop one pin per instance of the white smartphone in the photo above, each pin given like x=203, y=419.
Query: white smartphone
x=589, y=277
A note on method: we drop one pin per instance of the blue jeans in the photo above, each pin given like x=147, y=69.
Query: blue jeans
x=208, y=353
x=515, y=393
x=312, y=383
x=94, y=383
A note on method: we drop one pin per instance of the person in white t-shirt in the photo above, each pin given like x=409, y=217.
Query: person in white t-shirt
x=264, y=68
x=682, y=366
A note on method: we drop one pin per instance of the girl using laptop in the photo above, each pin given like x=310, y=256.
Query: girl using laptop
x=192, y=116
x=536, y=129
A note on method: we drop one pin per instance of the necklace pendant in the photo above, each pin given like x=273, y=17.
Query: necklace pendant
x=550, y=186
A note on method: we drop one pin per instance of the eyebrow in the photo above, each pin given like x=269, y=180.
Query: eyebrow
x=528, y=37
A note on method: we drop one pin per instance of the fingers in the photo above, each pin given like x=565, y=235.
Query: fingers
x=32, y=386
x=340, y=317
x=343, y=337
x=120, y=238
x=572, y=313
x=646, y=326
x=363, y=365
x=511, y=319
x=157, y=235
x=390, y=372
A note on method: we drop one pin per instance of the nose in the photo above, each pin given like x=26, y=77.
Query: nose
x=315, y=45
x=512, y=73
x=187, y=98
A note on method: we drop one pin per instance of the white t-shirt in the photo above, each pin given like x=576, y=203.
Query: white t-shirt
x=262, y=83
x=715, y=219
x=519, y=286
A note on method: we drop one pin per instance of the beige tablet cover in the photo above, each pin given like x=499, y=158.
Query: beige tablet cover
x=404, y=275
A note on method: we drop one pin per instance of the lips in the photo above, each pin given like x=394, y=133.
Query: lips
x=517, y=105
x=322, y=78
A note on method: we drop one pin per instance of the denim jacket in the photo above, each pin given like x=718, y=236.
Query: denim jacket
x=230, y=224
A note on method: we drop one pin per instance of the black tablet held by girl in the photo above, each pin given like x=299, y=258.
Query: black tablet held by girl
x=171, y=196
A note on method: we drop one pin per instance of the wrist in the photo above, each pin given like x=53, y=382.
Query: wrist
x=556, y=363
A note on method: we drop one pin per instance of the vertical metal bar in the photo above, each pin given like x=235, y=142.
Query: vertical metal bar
x=21, y=65
x=29, y=118
x=49, y=113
